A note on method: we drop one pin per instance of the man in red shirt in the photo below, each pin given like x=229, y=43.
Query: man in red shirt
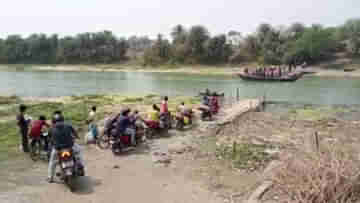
x=36, y=130
x=164, y=111
x=164, y=105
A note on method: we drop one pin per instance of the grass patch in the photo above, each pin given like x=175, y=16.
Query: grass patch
x=315, y=114
x=8, y=111
x=150, y=96
x=94, y=99
x=75, y=110
x=132, y=99
x=9, y=100
x=245, y=156
x=75, y=113
x=9, y=140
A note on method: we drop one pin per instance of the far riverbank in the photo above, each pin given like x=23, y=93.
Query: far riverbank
x=196, y=69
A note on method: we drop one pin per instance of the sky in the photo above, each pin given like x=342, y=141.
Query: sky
x=150, y=17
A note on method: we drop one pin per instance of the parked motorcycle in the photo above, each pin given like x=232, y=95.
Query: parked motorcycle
x=181, y=120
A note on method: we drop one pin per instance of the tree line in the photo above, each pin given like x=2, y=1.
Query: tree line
x=100, y=47
x=293, y=44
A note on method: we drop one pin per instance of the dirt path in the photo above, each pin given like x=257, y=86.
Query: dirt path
x=138, y=179
x=132, y=177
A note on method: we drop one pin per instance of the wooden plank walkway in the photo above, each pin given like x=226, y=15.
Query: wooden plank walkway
x=239, y=109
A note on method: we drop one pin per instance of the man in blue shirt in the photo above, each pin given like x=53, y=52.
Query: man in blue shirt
x=123, y=126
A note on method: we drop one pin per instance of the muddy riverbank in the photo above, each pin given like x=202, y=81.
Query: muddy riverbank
x=202, y=160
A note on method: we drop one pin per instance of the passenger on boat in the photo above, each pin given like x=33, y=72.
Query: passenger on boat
x=266, y=72
x=280, y=72
x=304, y=65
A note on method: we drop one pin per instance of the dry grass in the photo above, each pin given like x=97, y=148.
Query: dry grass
x=331, y=176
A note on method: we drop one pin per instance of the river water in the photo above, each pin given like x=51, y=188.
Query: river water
x=308, y=90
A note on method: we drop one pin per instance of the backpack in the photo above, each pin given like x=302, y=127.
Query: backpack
x=109, y=123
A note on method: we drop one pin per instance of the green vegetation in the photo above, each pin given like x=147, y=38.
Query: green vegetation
x=8, y=100
x=315, y=114
x=245, y=156
x=293, y=45
x=9, y=140
x=87, y=48
x=75, y=109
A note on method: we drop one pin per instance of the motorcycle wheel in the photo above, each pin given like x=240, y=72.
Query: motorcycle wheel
x=69, y=181
x=149, y=133
x=179, y=125
x=35, y=151
x=116, y=148
x=103, y=141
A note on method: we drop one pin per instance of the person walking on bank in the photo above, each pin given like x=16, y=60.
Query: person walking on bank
x=91, y=121
x=23, y=124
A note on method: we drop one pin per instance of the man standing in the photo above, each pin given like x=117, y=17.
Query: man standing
x=23, y=126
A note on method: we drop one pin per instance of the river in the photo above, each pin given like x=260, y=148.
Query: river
x=308, y=90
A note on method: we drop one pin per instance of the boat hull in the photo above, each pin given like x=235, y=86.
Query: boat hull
x=289, y=78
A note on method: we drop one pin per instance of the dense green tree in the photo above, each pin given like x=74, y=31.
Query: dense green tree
x=159, y=53
x=217, y=50
x=351, y=32
x=15, y=48
x=315, y=44
x=179, y=34
x=252, y=46
x=235, y=39
x=296, y=30
x=198, y=35
x=268, y=45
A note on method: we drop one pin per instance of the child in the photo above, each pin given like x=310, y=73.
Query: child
x=92, y=123
x=92, y=115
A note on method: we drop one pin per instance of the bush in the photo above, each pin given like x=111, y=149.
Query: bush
x=329, y=177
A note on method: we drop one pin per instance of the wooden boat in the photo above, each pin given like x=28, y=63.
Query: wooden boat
x=308, y=72
x=349, y=69
x=284, y=78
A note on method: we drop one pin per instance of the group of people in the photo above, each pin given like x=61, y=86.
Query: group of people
x=61, y=135
x=267, y=72
x=211, y=101
x=124, y=123
x=273, y=71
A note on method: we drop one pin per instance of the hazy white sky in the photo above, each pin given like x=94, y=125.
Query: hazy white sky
x=149, y=17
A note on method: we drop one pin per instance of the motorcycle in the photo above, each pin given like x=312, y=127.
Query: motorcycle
x=40, y=147
x=181, y=120
x=206, y=114
x=165, y=120
x=122, y=143
x=70, y=168
x=155, y=128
